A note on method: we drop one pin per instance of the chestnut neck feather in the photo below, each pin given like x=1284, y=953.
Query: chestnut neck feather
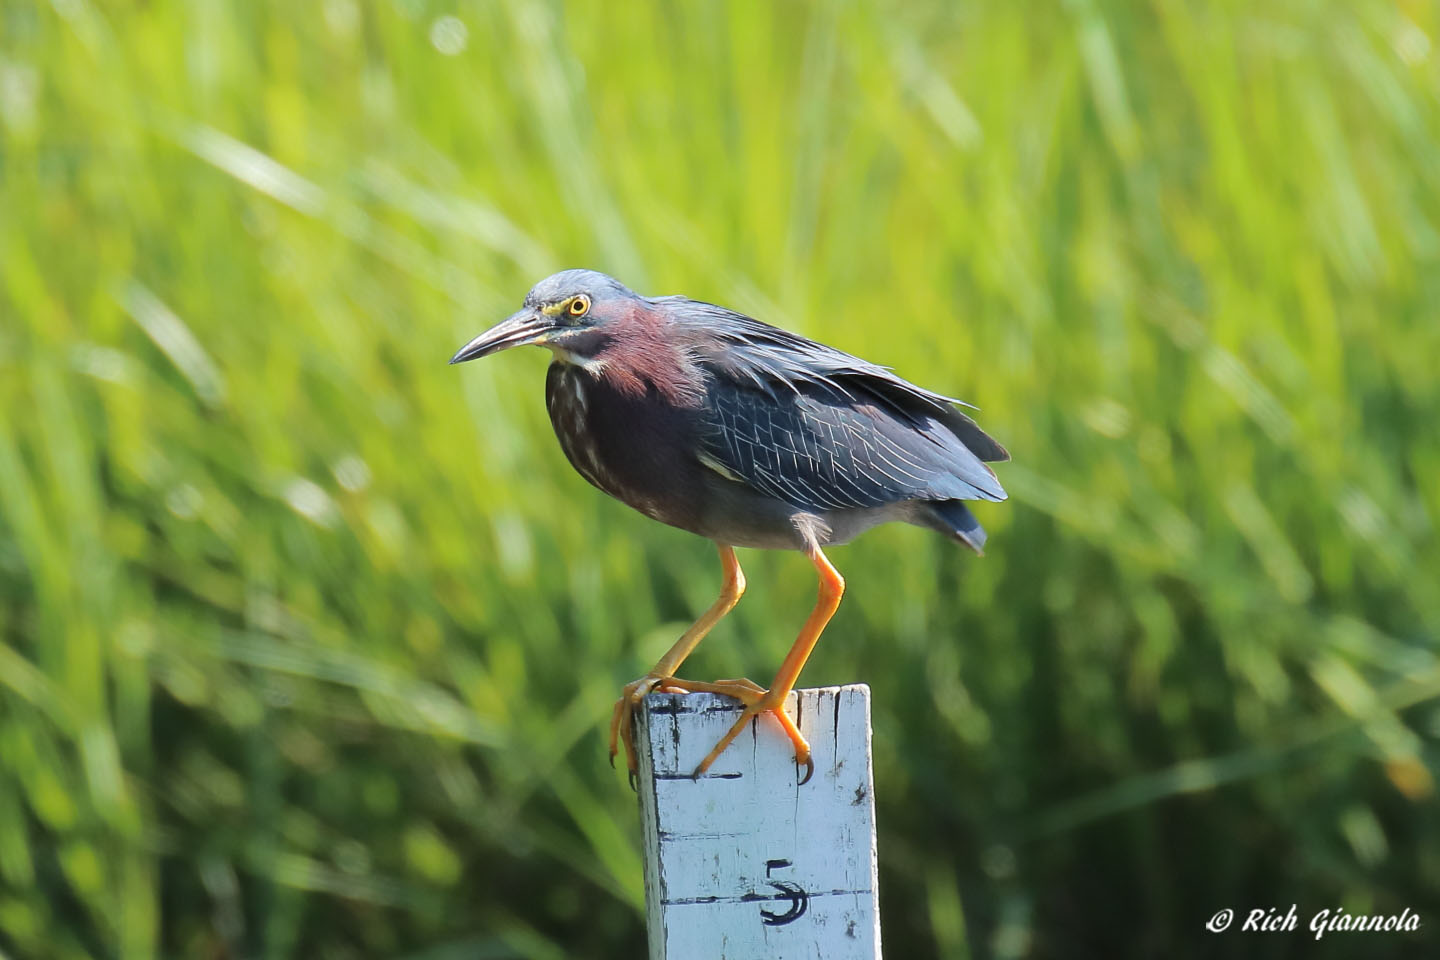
x=633, y=356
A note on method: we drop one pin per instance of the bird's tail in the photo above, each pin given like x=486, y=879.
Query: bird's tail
x=954, y=519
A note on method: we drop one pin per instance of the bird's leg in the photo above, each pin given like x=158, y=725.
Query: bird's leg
x=663, y=673
x=832, y=587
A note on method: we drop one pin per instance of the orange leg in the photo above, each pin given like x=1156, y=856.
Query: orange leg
x=663, y=673
x=832, y=587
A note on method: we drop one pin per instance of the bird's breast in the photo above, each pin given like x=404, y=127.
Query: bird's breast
x=632, y=446
x=568, y=403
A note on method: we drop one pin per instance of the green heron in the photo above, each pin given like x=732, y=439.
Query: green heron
x=710, y=421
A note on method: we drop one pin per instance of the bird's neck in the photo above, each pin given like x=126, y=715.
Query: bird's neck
x=570, y=358
x=638, y=364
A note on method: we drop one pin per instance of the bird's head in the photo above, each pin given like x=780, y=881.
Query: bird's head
x=567, y=312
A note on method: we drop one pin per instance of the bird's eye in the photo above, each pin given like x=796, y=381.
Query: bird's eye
x=579, y=306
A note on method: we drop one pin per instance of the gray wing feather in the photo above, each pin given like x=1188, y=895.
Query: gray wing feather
x=828, y=453
x=776, y=362
x=819, y=428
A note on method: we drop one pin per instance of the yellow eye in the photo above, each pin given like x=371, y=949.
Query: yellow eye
x=579, y=306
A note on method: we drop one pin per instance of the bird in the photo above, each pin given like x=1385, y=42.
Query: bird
x=749, y=435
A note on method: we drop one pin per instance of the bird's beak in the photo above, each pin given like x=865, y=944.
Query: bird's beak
x=518, y=329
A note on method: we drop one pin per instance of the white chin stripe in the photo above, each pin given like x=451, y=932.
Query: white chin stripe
x=588, y=364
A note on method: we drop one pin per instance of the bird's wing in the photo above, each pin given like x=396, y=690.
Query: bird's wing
x=821, y=448
x=816, y=427
x=776, y=361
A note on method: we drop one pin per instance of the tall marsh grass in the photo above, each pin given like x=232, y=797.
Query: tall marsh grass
x=307, y=641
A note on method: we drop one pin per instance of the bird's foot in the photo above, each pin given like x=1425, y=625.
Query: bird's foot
x=757, y=700
x=621, y=720
x=622, y=730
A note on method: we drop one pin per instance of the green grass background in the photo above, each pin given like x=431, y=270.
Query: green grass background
x=307, y=641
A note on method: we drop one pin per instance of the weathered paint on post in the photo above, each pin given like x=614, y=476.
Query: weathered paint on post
x=744, y=863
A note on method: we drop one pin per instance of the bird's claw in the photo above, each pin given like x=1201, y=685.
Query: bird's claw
x=622, y=728
x=756, y=699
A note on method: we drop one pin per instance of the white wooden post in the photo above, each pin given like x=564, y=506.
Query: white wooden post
x=744, y=863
